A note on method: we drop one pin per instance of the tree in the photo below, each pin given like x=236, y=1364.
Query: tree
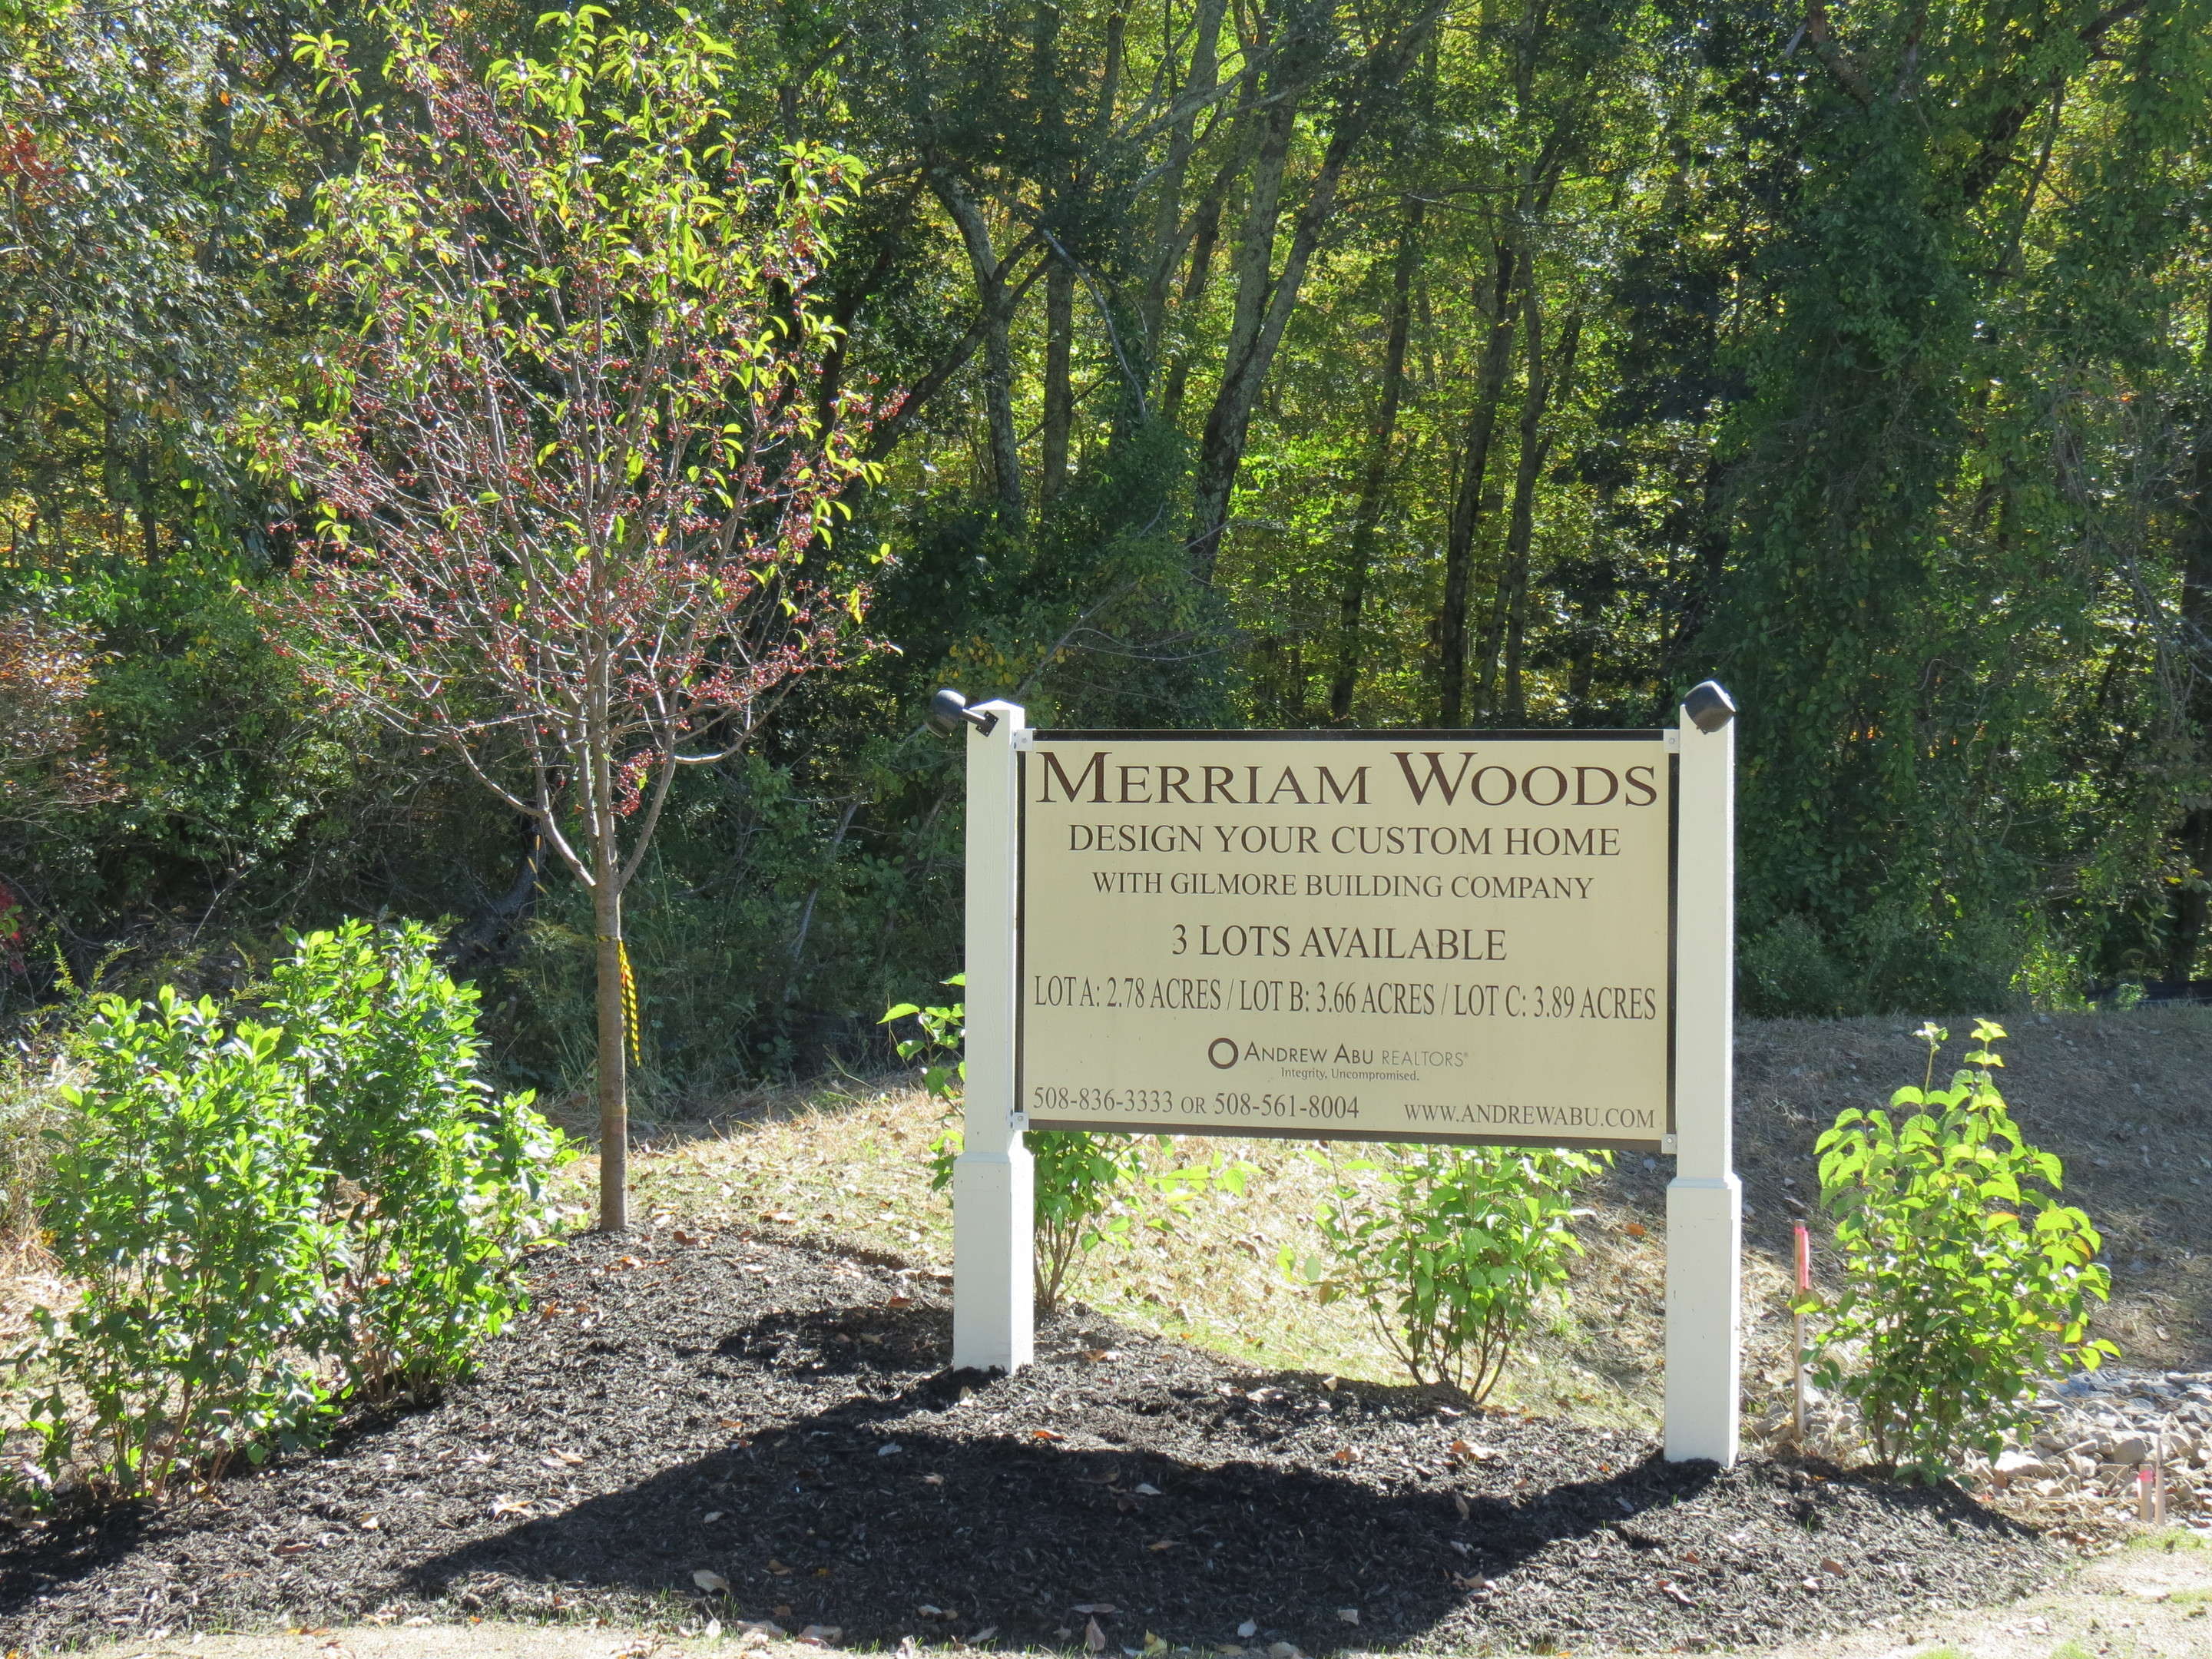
x=575, y=488
x=46, y=668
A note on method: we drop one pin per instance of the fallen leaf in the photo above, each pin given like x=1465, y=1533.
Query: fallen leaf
x=710, y=1581
x=778, y=1568
x=1094, y=1639
x=1470, y=1582
x=1164, y=1544
x=1250, y=1627
x=1347, y=1615
x=889, y=1449
x=1106, y=1607
x=509, y=1506
x=1460, y=1502
x=1283, y=1650
x=714, y=1631
x=899, y=1302
x=932, y=1479
x=983, y=1635
x=368, y=1523
x=1635, y=1230
x=928, y=1610
x=1147, y=1489
x=1153, y=1645
x=729, y=1422
x=1343, y=1454
x=1672, y=1591
x=821, y=1636
x=710, y=1517
x=1830, y=1564
x=1045, y=1434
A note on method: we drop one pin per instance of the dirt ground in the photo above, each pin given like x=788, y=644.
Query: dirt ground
x=2145, y=1602
x=758, y=1433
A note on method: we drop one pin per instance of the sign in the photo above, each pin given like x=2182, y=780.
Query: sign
x=1372, y=936
x=1495, y=937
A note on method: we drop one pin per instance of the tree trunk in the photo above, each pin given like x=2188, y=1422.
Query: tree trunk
x=1535, y=450
x=1375, y=478
x=996, y=299
x=2192, y=902
x=1058, y=392
x=1205, y=234
x=1167, y=209
x=1467, y=504
x=614, y=1053
x=1252, y=266
x=1265, y=301
x=606, y=921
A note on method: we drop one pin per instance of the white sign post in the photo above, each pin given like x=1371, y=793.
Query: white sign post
x=1705, y=1201
x=1489, y=938
x=993, y=1314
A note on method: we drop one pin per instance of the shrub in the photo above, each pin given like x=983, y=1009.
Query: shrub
x=1449, y=1247
x=434, y=1181
x=186, y=1197
x=1965, y=1282
x=266, y=1216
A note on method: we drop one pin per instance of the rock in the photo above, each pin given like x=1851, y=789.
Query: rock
x=2013, y=1465
x=2127, y=1450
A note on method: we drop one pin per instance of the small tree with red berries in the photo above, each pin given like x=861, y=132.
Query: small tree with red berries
x=574, y=485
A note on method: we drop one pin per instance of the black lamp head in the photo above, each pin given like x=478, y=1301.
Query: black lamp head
x=948, y=709
x=1708, y=705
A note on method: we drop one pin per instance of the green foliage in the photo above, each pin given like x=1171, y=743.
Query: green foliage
x=1450, y=1249
x=1966, y=1283
x=265, y=1218
x=435, y=1182
x=186, y=1197
x=944, y=1032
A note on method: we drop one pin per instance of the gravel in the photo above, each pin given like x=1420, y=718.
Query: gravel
x=676, y=1416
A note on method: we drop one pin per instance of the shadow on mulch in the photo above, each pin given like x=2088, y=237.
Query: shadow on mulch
x=779, y=1418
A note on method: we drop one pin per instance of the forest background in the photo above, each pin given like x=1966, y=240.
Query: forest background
x=1264, y=363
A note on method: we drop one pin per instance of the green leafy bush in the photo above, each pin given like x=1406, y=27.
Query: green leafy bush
x=434, y=1181
x=186, y=1197
x=265, y=1217
x=1449, y=1247
x=1965, y=1283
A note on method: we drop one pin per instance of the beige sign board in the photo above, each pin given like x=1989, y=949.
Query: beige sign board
x=1376, y=936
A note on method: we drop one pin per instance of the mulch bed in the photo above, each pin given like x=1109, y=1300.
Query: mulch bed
x=781, y=1416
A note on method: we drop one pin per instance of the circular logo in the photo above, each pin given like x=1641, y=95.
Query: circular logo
x=1222, y=1053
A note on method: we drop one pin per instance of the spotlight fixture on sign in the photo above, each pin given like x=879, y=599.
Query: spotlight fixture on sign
x=1498, y=938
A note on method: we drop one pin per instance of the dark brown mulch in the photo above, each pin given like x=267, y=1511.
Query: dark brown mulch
x=780, y=1417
